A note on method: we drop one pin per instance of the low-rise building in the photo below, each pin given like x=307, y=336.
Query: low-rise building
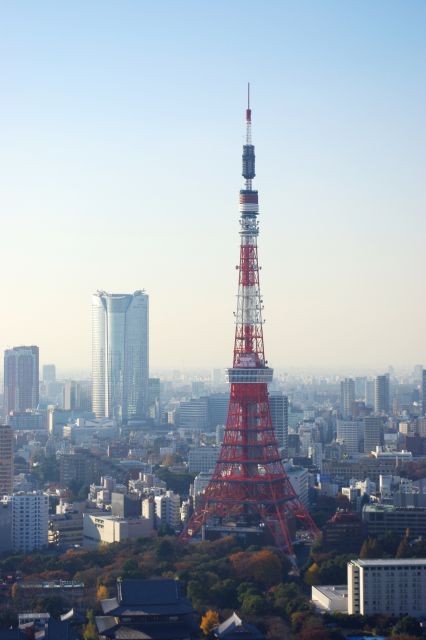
x=105, y=529
x=331, y=598
x=147, y=609
x=66, y=525
x=344, y=533
x=381, y=518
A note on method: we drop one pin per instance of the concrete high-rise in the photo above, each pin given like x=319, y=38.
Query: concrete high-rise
x=6, y=460
x=30, y=513
x=49, y=373
x=71, y=395
x=347, y=397
x=373, y=433
x=381, y=394
x=120, y=354
x=278, y=404
x=21, y=379
x=424, y=392
x=349, y=433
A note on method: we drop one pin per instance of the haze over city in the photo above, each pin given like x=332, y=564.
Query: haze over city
x=120, y=159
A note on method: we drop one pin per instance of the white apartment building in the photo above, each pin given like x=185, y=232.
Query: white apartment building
x=167, y=509
x=30, y=514
x=396, y=587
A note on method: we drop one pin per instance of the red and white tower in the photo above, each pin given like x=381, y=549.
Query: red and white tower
x=249, y=486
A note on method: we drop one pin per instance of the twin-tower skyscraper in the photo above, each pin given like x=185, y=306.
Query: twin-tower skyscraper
x=120, y=355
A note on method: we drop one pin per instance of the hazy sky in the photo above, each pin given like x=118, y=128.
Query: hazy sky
x=121, y=132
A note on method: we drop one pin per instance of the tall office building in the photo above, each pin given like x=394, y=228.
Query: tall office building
x=349, y=433
x=21, y=379
x=71, y=395
x=373, y=433
x=120, y=355
x=381, y=394
x=347, y=397
x=218, y=405
x=6, y=460
x=278, y=404
x=49, y=373
x=194, y=414
x=424, y=392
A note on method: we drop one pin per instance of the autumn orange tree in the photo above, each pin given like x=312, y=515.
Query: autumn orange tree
x=263, y=567
x=102, y=593
x=209, y=621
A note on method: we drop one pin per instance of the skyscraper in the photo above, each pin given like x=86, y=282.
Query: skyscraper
x=278, y=404
x=49, y=373
x=381, y=394
x=347, y=397
x=373, y=433
x=424, y=392
x=120, y=355
x=349, y=433
x=6, y=460
x=21, y=379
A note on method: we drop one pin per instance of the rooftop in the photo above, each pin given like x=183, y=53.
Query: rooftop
x=389, y=562
x=332, y=592
x=391, y=507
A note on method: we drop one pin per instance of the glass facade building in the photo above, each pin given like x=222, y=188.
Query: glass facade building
x=120, y=361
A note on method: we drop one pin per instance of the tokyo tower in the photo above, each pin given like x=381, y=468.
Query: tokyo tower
x=249, y=486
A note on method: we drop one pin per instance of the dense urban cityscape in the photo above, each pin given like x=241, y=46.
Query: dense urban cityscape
x=141, y=502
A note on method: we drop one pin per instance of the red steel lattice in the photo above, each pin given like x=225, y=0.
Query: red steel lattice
x=249, y=484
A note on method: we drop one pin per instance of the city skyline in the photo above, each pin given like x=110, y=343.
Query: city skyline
x=106, y=179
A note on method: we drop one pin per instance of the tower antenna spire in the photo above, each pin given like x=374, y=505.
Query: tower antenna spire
x=248, y=116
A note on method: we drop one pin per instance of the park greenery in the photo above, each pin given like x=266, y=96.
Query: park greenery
x=219, y=577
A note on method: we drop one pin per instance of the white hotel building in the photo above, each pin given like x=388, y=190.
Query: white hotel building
x=396, y=587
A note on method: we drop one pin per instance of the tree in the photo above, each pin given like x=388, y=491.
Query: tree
x=254, y=605
x=209, y=621
x=370, y=549
x=165, y=550
x=102, y=593
x=403, y=550
x=223, y=594
x=263, y=567
x=312, y=575
x=278, y=630
x=314, y=634
x=90, y=632
x=266, y=568
x=407, y=625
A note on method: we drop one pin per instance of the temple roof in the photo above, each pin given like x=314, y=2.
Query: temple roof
x=147, y=597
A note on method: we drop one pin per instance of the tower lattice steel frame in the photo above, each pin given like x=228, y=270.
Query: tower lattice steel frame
x=249, y=484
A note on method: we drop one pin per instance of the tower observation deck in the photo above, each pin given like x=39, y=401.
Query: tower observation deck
x=249, y=487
